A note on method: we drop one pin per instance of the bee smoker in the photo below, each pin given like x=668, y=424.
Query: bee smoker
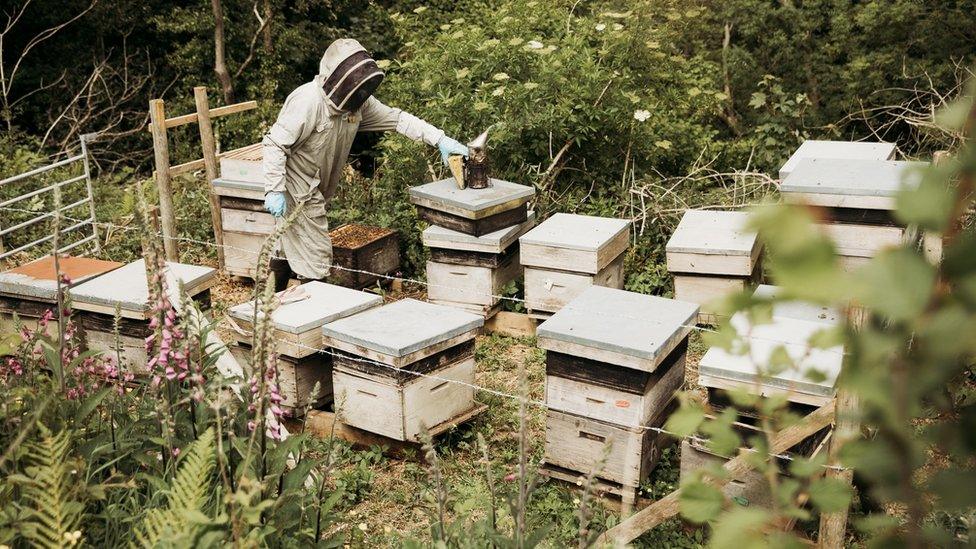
x=476, y=165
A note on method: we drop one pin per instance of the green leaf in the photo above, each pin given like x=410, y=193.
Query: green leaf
x=741, y=528
x=955, y=489
x=896, y=283
x=929, y=203
x=91, y=403
x=685, y=420
x=830, y=494
x=803, y=467
x=700, y=502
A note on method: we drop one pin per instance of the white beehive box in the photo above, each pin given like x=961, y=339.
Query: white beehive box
x=858, y=150
x=575, y=243
x=851, y=184
x=549, y=291
x=244, y=222
x=243, y=164
x=792, y=325
x=394, y=337
x=302, y=382
x=470, y=285
x=127, y=288
x=713, y=243
x=496, y=242
x=297, y=321
x=31, y=289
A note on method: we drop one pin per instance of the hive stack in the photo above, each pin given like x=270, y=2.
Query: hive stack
x=363, y=255
x=856, y=198
x=29, y=291
x=712, y=255
x=793, y=323
x=613, y=363
x=244, y=221
x=404, y=367
x=296, y=325
x=568, y=253
x=473, y=240
x=127, y=289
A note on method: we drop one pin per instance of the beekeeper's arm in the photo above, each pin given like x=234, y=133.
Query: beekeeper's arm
x=379, y=117
x=294, y=124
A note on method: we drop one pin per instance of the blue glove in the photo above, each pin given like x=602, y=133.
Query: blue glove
x=449, y=146
x=274, y=202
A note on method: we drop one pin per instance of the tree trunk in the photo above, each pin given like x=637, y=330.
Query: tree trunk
x=268, y=45
x=220, y=62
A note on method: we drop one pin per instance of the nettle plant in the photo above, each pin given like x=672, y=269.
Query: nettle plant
x=908, y=367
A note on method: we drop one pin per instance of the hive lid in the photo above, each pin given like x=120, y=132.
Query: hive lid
x=311, y=305
x=798, y=310
x=852, y=177
x=239, y=185
x=128, y=287
x=713, y=233
x=37, y=280
x=812, y=148
x=436, y=236
x=402, y=327
x=444, y=195
x=634, y=325
x=576, y=232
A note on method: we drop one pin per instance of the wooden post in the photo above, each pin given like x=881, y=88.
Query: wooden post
x=833, y=526
x=157, y=116
x=210, y=163
x=667, y=507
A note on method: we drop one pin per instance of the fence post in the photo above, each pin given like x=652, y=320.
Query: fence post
x=210, y=163
x=85, y=138
x=157, y=116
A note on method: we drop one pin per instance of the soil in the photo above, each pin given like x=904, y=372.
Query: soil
x=356, y=236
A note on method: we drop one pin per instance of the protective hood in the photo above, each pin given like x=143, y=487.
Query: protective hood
x=348, y=75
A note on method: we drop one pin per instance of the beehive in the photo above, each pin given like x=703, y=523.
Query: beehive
x=856, y=198
x=127, y=289
x=362, y=255
x=614, y=361
x=245, y=224
x=296, y=325
x=793, y=323
x=712, y=254
x=30, y=290
x=406, y=366
x=243, y=164
x=476, y=212
x=567, y=253
x=863, y=150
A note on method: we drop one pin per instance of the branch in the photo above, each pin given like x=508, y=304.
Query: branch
x=254, y=41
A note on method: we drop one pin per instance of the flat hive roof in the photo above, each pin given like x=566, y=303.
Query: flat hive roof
x=575, y=232
x=851, y=177
x=629, y=323
x=317, y=303
x=38, y=279
x=128, y=287
x=713, y=232
x=446, y=194
x=813, y=148
x=402, y=327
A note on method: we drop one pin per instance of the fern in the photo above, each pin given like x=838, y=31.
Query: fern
x=55, y=514
x=187, y=495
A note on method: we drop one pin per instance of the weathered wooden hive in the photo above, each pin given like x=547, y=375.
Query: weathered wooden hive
x=403, y=367
x=614, y=361
x=244, y=221
x=30, y=290
x=567, y=253
x=470, y=272
x=361, y=254
x=296, y=325
x=852, y=150
x=127, y=289
x=473, y=240
x=856, y=199
x=711, y=255
x=792, y=325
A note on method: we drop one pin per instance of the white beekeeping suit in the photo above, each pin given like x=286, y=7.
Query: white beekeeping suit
x=307, y=147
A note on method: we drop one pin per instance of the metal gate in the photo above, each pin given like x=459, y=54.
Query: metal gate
x=68, y=185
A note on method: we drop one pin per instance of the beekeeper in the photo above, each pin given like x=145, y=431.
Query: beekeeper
x=307, y=147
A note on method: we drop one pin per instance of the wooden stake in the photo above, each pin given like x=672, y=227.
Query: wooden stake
x=210, y=163
x=157, y=114
x=833, y=526
x=667, y=507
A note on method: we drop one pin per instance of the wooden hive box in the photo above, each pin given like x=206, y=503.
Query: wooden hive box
x=849, y=183
x=548, y=290
x=245, y=224
x=475, y=285
x=439, y=238
x=30, y=290
x=712, y=254
x=360, y=250
x=575, y=243
x=297, y=378
x=128, y=289
x=752, y=488
x=476, y=212
x=863, y=150
x=792, y=325
x=398, y=337
x=243, y=164
x=302, y=311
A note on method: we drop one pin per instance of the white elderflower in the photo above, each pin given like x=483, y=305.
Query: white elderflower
x=534, y=45
x=641, y=115
x=601, y=27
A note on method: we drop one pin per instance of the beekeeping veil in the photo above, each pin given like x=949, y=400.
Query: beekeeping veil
x=349, y=75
